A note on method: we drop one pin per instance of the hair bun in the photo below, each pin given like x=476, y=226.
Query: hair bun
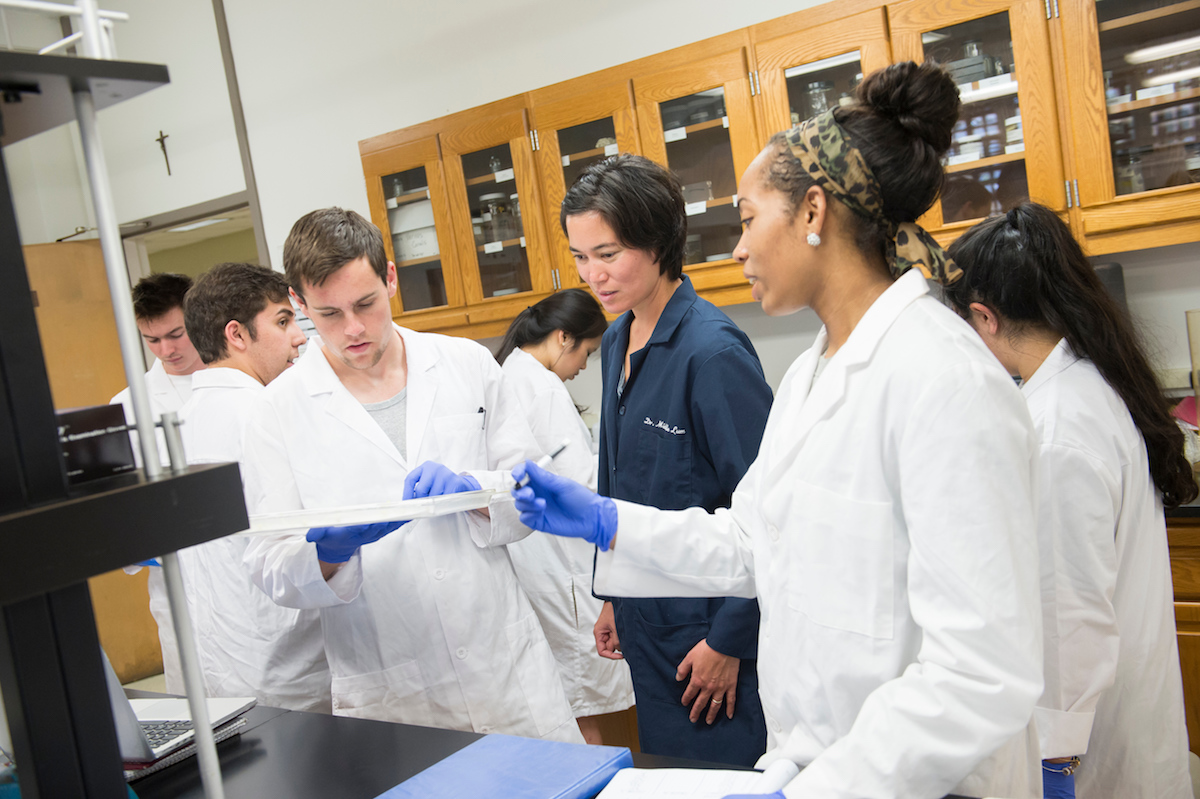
x=921, y=99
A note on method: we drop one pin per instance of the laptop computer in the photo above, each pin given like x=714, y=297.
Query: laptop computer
x=151, y=729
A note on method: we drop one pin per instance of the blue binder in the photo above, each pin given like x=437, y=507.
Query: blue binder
x=510, y=767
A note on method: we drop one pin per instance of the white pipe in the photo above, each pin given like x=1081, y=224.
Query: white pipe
x=206, y=747
x=108, y=40
x=58, y=9
x=90, y=25
x=118, y=281
x=61, y=43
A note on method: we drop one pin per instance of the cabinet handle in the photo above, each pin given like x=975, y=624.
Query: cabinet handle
x=1047, y=9
x=1076, y=184
x=755, y=89
x=1067, y=185
x=533, y=140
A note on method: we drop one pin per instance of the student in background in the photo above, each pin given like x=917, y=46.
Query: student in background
x=682, y=414
x=887, y=523
x=1111, y=458
x=546, y=345
x=424, y=624
x=158, y=310
x=240, y=320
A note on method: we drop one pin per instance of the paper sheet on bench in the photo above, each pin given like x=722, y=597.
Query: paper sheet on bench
x=269, y=523
x=644, y=783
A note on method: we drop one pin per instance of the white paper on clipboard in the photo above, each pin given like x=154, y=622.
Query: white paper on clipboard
x=403, y=510
x=661, y=783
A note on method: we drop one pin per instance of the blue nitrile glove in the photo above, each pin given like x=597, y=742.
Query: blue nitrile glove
x=1058, y=780
x=432, y=479
x=338, y=544
x=563, y=507
x=776, y=795
x=151, y=562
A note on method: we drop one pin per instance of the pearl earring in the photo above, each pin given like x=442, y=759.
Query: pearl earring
x=813, y=239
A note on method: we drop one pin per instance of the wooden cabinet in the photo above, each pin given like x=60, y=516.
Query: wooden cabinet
x=1133, y=87
x=572, y=133
x=1096, y=115
x=1006, y=143
x=1183, y=537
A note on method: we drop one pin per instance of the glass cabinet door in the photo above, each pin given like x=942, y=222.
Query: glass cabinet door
x=1147, y=72
x=698, y=121
x=408, y=204
x=819, y=66
x=571, y=135
x=495, y=205
x=1005, y=146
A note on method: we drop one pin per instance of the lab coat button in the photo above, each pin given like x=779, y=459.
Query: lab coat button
x=461, y=653
x=773, y=531
x=439, y=574
x=621, y=410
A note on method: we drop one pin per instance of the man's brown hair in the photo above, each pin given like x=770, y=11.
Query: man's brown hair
x=323, y=241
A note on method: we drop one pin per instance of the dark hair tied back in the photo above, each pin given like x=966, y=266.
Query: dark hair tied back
x=573, y=311
x=1027, y=267
x=901, y=121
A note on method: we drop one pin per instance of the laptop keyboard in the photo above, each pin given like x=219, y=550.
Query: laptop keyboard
x=162, y=734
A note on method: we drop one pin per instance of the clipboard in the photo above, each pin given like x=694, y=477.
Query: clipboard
x=399, y=511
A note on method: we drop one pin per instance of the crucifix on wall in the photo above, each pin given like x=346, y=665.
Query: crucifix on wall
x=162, y=142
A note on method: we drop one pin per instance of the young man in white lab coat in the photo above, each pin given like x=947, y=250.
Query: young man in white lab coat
x=158, y=310
x=240, y=320
x=425, y=624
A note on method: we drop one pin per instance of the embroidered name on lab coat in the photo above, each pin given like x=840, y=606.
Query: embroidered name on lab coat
x=664, y=426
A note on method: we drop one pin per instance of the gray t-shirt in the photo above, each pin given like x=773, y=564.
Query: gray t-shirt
x=390, y=415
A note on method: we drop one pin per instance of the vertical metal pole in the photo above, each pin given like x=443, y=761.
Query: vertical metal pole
x=118, y=280
x=131, y=347
x=210, y=766
x=89, y=14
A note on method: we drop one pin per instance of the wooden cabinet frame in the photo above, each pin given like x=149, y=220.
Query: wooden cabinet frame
x=865, y=32
x=480, y=133
x=615, y=101
x=1031, y=52
x=420, y=153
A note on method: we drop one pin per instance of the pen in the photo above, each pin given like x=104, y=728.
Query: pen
x=544, y=461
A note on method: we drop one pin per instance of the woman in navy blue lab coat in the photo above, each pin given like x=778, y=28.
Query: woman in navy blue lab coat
x=683, y=411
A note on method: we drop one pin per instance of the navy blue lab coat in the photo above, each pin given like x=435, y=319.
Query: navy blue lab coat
x=681, y=434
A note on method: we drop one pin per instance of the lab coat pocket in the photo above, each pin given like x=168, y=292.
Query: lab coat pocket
x=397, y=692
x=844, y=549
x=460, y=442
x=662, y=465
x=537, y=674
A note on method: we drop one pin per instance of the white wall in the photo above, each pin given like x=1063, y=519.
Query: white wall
x=47, y=173
x=316, y=80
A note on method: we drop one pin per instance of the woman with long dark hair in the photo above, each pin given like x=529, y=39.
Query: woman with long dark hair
x=1111, y=458
x=546, y=345
x=886, y=523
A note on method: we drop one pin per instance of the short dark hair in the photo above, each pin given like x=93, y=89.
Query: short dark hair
x=641, y=201
x=225, y=293
x=323, y=241
x=153, y=296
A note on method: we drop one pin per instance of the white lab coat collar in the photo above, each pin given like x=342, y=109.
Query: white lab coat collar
x=829, y=392
x=1061, y=357
x=223, y=377
x=318, y=378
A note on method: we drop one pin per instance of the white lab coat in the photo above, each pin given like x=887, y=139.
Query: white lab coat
x=556, y=572
x=248, y=645
x=886, y=528
x=428, y=625
x=167, y=394
x=1113, y=687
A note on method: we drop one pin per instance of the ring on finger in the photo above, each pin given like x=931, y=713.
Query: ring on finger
x=718, y=701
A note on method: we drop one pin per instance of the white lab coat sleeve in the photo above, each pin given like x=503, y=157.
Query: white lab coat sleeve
x=966, y=459
x=1077, y=513
x=682, y=553
x=556, y=419
x=285, y=566
x=509, y=441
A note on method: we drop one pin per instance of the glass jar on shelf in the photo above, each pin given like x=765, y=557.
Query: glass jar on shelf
x=1129, y=177
x=494, y=212
x=820, y=94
